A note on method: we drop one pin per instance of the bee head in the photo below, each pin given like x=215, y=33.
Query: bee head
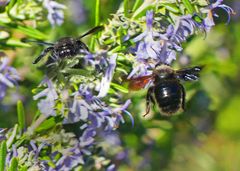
x=163, y=72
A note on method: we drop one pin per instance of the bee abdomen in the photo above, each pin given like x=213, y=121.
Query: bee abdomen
x=169, y=96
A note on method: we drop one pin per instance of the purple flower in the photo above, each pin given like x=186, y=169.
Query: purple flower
x=47, y=105
x=86, y=106
x=8, y=76
x=147, y=46
x=78, y=12
x=208, y=21
x=154, y=48
x=55, y=12
x=112, y=167
x=106, y=80
x=99, y=119
x=2, y=134
x=97, y=60
x=3, y=3
x=71, y=158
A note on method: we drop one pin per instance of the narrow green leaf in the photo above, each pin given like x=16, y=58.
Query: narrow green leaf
x=3, y=155
x=122, y=70
x=23, y=168
x=137, y=4
x=10, y=5
x=21, y=115
x=14, y=43
x=171, y=7
x=76, y=72
x=13, y=164
x=142, y=12
x=119, y=87
x=12, y=136
x=32, y=32
x=188, y=6
x=27, y=30
x=47, y=124
x=125, y=7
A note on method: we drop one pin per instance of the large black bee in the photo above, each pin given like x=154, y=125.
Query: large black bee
x=167, y=90
x=65, y=47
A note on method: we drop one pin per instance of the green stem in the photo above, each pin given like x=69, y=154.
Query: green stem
x=125, y=5
x=97, y=13
x=97, y=22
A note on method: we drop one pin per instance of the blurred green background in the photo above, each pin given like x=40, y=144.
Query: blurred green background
x=206, y=137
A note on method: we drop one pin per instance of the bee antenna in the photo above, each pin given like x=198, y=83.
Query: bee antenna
x=25, y=40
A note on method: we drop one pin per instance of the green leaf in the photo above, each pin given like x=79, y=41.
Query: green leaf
x=137, y=4
x=119, y=87
x=3, y=155
x=72, y=71
x=10, y=5
x=172, y=8
x=188, y=6
x=32, y=32
x=47, y=124
x=13, y=164
x=21, y=115
x=12, y=137
x=23, y=168
x=27, y=30
x=142, y=12
x=14, y=43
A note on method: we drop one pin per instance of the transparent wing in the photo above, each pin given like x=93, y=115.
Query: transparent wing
x=189, y=74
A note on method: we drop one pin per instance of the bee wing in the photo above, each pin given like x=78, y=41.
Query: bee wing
x=189, y=74
x=93, y=30
x=140, y=82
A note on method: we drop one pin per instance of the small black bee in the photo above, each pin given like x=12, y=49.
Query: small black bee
x=167, y=91
x=65, y=47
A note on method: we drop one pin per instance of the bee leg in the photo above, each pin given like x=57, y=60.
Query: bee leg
x=149, y=100
x=44, y=53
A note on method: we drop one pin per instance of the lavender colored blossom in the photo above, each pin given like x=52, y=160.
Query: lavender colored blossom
x=3, y=3
x=86, y=106
x=112, y=167
x=154, y=48
x=104, y=65
x=55, y=12
x=8, y=76
x=208, y=21
x=77, y=11
x=106, y=80
x=2, y=134
x=72, y=158
x=47, y=105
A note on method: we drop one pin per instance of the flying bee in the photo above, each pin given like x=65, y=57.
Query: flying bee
x=166, y=90
x=65, y=47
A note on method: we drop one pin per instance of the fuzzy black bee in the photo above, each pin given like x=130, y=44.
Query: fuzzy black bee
x=65, y=47
x=167, y=90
